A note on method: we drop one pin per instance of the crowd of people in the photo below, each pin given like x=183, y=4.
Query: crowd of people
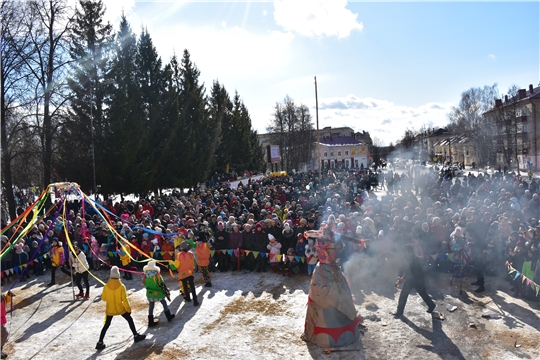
x=478, y=221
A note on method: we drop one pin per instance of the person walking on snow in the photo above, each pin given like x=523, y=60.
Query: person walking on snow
x=185, y=261
x=152, y=281
x=412, y=276
x=80, y=266
x=57, y=260
x=117, y=303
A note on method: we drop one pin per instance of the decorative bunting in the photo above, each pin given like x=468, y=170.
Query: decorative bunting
x=212, y=252
x=255, y=254
x=517, y=275
x=279, y=256
x=230, y=252
x=247, y=252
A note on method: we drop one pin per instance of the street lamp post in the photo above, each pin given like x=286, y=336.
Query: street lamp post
x=318, y=135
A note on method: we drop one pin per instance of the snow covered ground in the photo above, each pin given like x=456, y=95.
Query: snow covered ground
x=262, y=315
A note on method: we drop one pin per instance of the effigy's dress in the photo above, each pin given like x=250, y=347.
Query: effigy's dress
x=331, y=318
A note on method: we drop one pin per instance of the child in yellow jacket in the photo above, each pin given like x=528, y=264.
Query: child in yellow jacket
x=115, y=295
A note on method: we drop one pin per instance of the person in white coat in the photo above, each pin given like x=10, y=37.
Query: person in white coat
x=80, y=266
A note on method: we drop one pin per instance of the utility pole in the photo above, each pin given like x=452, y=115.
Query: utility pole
x=318, y=136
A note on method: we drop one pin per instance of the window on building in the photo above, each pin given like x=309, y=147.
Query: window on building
x=339, y=153
x=346, y=152
x=325, y=154
x=331, y=153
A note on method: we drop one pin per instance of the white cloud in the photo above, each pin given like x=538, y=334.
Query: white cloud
x=491, y=56
x=230, y=53
x=223, y=23
x=316, y=17
x=381, y=118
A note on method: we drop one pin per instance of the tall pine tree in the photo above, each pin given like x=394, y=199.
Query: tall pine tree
x=197, y=125
x=123, y=150
x=151, y=83
x=91, y=39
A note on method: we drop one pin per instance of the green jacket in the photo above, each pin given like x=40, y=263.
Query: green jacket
x=153, y=291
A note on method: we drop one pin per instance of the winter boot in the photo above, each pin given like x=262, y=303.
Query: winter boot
x=208, y=284
x=195, y=302
x=139, y=337
x=80, y=294
x=169, y=315
x=151, y=321
x=100, y=345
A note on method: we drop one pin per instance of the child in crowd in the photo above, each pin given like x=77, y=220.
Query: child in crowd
x=274, y=249
x=103, y=253
x=94, y=250
x=311, y=256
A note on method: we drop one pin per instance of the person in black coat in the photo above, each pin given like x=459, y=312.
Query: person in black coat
x=259, y=245
x=221, y=242
x=412, y=276
x=248, y=239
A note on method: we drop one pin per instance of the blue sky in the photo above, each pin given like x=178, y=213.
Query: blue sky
x=382, y=67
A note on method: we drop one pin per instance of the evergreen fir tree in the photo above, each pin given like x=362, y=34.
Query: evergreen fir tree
x=90, y=42
x=122, y=153
x=151, y=83
x=195, y=116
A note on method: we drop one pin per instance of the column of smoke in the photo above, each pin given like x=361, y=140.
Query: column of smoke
x=377, y=272
x=374, y=273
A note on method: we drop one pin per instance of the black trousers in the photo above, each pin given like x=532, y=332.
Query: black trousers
x=420, y=288
x=189, y=281
x=261, y=263
x=224, y=261
x=479, y=265
x=108, y=320
x=53, y=272
x=84, y=277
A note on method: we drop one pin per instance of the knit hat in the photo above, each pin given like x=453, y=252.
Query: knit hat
x=151, y=266
x=271, y=237
x=115, y=273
